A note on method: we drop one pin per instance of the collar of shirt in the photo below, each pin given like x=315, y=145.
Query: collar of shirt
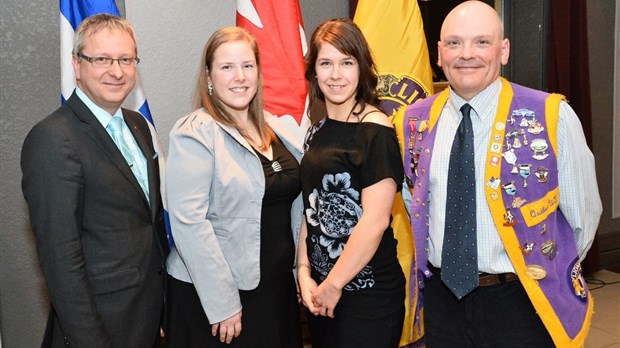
x=101, y=115
x=483, y=104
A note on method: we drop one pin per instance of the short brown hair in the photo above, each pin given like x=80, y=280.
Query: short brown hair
x=98, y=22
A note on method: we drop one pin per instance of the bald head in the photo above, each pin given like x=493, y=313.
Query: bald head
x=472, y=48
x=474, y=11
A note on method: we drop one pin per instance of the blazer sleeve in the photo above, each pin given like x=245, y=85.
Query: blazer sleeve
x=190, y=170
x=52, y=184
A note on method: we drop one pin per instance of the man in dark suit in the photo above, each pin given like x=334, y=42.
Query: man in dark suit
x=95, y=207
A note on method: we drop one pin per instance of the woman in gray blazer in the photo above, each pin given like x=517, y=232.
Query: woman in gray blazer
x=232, y=178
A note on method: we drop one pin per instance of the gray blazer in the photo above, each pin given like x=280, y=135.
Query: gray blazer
x=215, y=186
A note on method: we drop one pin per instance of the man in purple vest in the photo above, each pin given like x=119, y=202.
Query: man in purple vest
x=534, y=202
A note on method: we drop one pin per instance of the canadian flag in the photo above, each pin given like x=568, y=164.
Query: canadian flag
x=278, y=28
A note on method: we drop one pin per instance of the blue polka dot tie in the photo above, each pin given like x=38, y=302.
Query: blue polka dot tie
x=459, y=257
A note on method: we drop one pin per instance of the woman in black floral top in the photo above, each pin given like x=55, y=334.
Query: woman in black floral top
x=348, y=273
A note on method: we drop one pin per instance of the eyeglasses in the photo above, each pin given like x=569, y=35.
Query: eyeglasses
x=105, y=62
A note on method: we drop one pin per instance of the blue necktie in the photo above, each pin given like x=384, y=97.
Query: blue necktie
x=115, y=130
x=459, y=257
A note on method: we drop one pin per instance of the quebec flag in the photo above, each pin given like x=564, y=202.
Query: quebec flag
x=72, y=12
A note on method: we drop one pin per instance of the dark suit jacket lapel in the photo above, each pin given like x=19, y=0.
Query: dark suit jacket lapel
x=94, y=129
x=141, y=133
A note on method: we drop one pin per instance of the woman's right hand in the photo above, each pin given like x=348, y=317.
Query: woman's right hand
x=228, y=328
x=307, y=288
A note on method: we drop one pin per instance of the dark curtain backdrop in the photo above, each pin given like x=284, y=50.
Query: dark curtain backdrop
x=568, y=63
x=352, y=7
x=568, y=72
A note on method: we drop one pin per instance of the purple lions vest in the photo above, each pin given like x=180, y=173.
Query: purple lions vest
x=521, y=189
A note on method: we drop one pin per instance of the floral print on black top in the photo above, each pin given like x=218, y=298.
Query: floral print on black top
x=341, y=160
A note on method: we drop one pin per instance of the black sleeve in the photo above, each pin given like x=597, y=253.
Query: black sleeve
x=381, y=156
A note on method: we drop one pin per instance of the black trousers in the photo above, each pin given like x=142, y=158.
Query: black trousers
x=492, y=316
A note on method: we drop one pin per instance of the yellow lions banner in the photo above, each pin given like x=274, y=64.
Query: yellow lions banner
x=395, y=33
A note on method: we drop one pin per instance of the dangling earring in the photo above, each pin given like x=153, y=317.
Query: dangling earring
x=210, y=87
